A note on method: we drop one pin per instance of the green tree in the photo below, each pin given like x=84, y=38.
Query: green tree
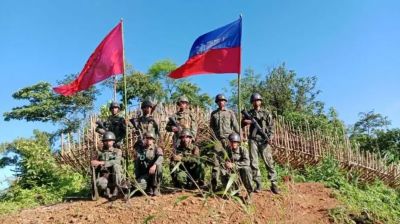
x=44, y=105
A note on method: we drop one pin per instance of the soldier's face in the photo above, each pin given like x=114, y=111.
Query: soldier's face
x=234, y=145
x=148, y=141
x=221, y=103
x=114, y=110
x=257, y=103
x=183, y=105
x=186, y=140
x=146, y=110
x=108, y=144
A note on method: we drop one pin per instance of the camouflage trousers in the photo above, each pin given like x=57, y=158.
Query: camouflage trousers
x=109, y=177
x=180, y=177
x=147, y=181
x=220, y=178
x=264, y=149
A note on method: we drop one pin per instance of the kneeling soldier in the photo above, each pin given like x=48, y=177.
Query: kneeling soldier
x=189, y=156
x=148, y=165
x=108, y=163
x=236, y=160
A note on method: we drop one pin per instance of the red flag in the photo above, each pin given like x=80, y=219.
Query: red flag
x=105, y=61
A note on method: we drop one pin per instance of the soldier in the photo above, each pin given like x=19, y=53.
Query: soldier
x=259, y=144
x=182, y=119
x=223, y=121
x=189, y=155
x=108, y=164
x=148, y=165
x=146, y=122
x=234, y=160
x=114, y=123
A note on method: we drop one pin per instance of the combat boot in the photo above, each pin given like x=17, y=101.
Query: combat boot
x=257, y=189
x=156, y=191
x=274, y=188
x=107, y=193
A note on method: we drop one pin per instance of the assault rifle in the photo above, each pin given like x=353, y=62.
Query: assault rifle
x=257, y=127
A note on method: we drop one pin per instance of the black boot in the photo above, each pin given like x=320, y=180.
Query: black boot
x=156, y=191
x=274, y=188
x=257, y=189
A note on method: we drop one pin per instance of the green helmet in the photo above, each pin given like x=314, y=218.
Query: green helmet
x=182, y=99
x=254, y=97
x=115, y=105
x=146, y=103
x=108, y=136
x=234, y=137
x=149, y=135
x=185, y=132
x=220, y=97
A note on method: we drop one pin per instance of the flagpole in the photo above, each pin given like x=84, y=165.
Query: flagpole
x=115, y=89
x=125, y=98
x=238, y=83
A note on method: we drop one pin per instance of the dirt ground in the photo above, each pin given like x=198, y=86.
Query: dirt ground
x=298, y=203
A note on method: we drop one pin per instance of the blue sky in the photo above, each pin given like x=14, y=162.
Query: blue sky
x=351, y=46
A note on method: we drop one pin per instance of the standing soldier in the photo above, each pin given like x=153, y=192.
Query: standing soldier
x=189, y=155
x=261, y=133
x=223, y=121
x=146, y=122
x=182, y=119
x=108, y=164
x=114, y=123
x=236, y=160
x=148, y=165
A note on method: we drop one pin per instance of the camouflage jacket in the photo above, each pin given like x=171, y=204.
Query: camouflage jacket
x=265, y=120
x=240, y=158
x=148, y=124
x=223, y=123
x=190, y=153
x=115, y=124
x=147, y=157
x=111, y=157
x=185, y=120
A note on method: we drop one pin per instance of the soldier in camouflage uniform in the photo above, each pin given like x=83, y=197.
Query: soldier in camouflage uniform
x=223, y=121
x=189, y=155
x=235, y=159
x=108, y=165
x=261, y=146
x=184, y=119
x=148, y=165
x=146, y=122
x=114, y=123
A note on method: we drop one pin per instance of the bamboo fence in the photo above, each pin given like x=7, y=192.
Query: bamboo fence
x=295, y=146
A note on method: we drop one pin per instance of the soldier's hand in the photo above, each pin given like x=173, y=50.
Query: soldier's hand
x=177, y=158
x=96, y=163
x=247, y=122
x=152, y=169
x=229, y=165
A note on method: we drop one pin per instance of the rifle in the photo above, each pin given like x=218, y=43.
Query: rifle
x=257, y=126
x=135, y=124
x=101, y=125
x=173, y=121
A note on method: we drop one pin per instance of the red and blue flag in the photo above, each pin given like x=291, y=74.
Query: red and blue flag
x=218, y=51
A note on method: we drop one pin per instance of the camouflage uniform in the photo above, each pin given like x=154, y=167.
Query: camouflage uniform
x=223, y=123
x=241, y=160
x=185, y=120
x=148, y=124
x=111, y=173
x=146, y=157
x=115, y=124
x=191, y=161
x=258, y=145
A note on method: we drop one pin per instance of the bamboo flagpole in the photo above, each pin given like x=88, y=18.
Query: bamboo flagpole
x=239, y=103
x=125, y=98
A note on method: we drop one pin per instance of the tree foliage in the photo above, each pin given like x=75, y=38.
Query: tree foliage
x=157, y=86
x=46, y=106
